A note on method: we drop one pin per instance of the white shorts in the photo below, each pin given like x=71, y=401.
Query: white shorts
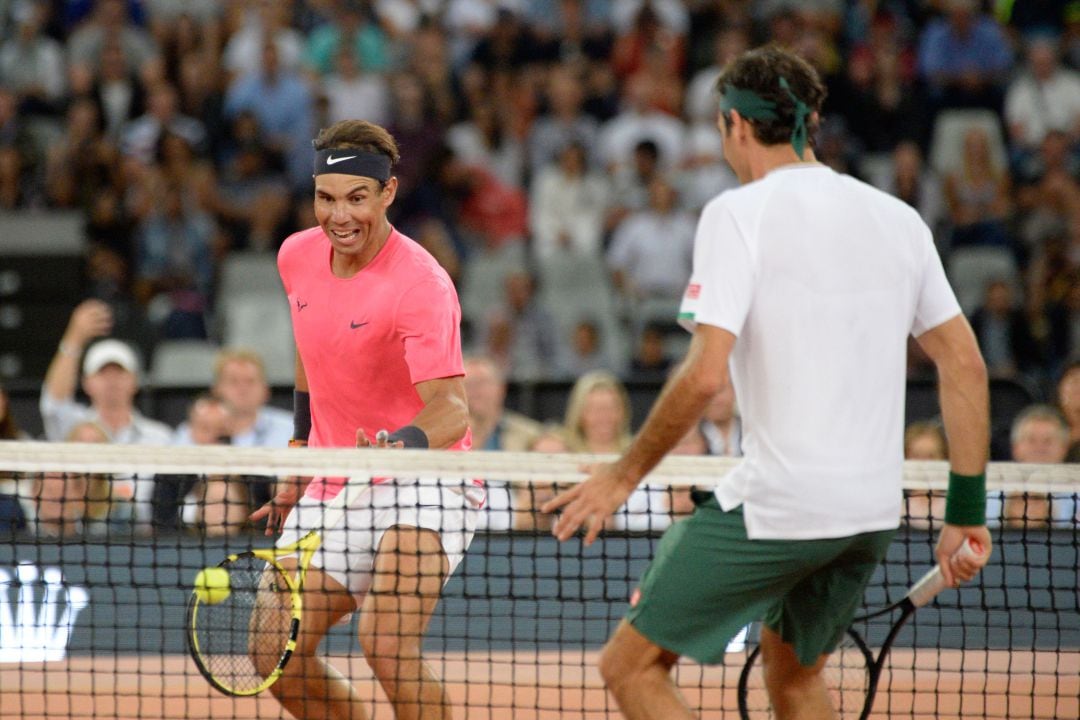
x=347, y=552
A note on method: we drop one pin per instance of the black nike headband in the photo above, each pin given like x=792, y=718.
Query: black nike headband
x=351, y=161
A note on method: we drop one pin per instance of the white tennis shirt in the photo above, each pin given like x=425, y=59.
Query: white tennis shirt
x=822, y=278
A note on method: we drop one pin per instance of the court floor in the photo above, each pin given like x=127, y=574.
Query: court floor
x=923, y=684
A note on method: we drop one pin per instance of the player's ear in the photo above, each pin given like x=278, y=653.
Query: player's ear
x=389, y=191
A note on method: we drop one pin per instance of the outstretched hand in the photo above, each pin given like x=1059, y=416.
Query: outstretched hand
x=382, y=440
x=592, y=502
x=275, y=511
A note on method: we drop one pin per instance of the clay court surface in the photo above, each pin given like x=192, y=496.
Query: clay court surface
x=548, y=686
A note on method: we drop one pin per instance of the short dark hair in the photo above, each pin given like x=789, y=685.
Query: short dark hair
x=760, y=70
x=358, y=135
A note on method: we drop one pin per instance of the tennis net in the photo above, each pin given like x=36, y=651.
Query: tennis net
x=105, y=541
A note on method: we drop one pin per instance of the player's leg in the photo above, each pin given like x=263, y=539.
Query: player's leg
x=638, y=674
x=310, y=688
x=796, y=692
x=408, y=574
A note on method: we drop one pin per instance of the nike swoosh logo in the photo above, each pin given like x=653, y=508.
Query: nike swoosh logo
x=334, y=161
x=355, y=325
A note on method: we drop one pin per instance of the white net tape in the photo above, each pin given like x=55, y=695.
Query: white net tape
x=451, y=466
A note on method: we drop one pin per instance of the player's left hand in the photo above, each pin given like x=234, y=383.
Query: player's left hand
x=382, y=440
x=592, y=502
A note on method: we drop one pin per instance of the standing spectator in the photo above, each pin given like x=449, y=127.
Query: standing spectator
x=493, y=425
x=567, y=207
x=1044, y=97
x=17, y=154
x=1004, y=333
x=964, y=58
x=282, y=103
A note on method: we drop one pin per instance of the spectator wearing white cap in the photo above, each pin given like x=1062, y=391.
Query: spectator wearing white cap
x=110, y=379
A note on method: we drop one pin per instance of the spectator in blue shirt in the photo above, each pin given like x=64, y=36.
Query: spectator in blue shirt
x=964, y=58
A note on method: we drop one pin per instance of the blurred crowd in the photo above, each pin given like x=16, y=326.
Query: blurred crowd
x=555, y=154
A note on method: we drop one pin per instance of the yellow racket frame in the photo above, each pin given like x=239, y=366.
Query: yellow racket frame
x=305, y=548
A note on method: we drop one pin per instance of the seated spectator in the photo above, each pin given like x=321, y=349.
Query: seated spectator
x=67, y=504
x=977, y=195
x=910, y=179
x=493, y=425
x=521, y=336
x=564, y=124
x=528, y=498
x=354, y=90
x=597, y=416
x=721, y=425
x=174, y=266
x=650, y=362
x=1044, y=97
x=252, y=198
x=1068, y=402
x=178, y=496
x=1039, y=435
x=17, y=154
x=588, y=350
x=12, y=494
x=651, y=252
x=567, y=207
x=964, y=57
x=32, y=63
x=925, y=440
x=352, y=30
x=110, y=378
x=1004, y=333
x=140, y=138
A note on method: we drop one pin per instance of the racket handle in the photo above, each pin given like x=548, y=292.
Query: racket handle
x=933, y=583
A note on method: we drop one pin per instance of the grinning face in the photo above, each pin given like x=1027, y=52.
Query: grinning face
x=351, y=210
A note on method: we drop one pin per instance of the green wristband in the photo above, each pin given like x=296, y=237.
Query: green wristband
x=965, y=503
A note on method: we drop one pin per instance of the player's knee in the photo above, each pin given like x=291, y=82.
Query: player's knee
x=385, y=654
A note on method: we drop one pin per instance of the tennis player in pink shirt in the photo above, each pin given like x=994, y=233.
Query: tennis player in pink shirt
x=376, y=322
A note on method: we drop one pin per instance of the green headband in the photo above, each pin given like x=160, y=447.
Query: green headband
x=754, y=107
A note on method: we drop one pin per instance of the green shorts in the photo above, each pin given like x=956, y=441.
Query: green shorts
x=709, y=580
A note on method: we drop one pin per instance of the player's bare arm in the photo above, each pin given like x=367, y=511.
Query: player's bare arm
x=287, y=490
x=444, y=419
x=965, y=409
x=679, y=406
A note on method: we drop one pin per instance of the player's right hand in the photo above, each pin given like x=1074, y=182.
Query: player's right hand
x=286, y=496
x=90, y=319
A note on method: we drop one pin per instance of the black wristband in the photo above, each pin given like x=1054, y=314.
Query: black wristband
x=301, y=415
x=412, y=436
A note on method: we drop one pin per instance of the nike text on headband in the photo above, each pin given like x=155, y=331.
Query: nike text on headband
x=754, y=107
x=351, y=161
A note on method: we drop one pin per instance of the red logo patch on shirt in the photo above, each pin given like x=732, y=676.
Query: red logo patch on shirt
x=693, y=291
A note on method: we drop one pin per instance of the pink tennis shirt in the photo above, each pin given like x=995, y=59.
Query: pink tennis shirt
x=366, y=340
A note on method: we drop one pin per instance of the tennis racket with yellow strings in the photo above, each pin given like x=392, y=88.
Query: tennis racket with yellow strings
x=244, y=613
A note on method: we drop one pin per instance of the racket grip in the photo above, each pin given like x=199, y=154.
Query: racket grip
x=933, y=583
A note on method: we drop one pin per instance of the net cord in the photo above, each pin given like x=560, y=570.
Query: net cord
x=447, y=466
